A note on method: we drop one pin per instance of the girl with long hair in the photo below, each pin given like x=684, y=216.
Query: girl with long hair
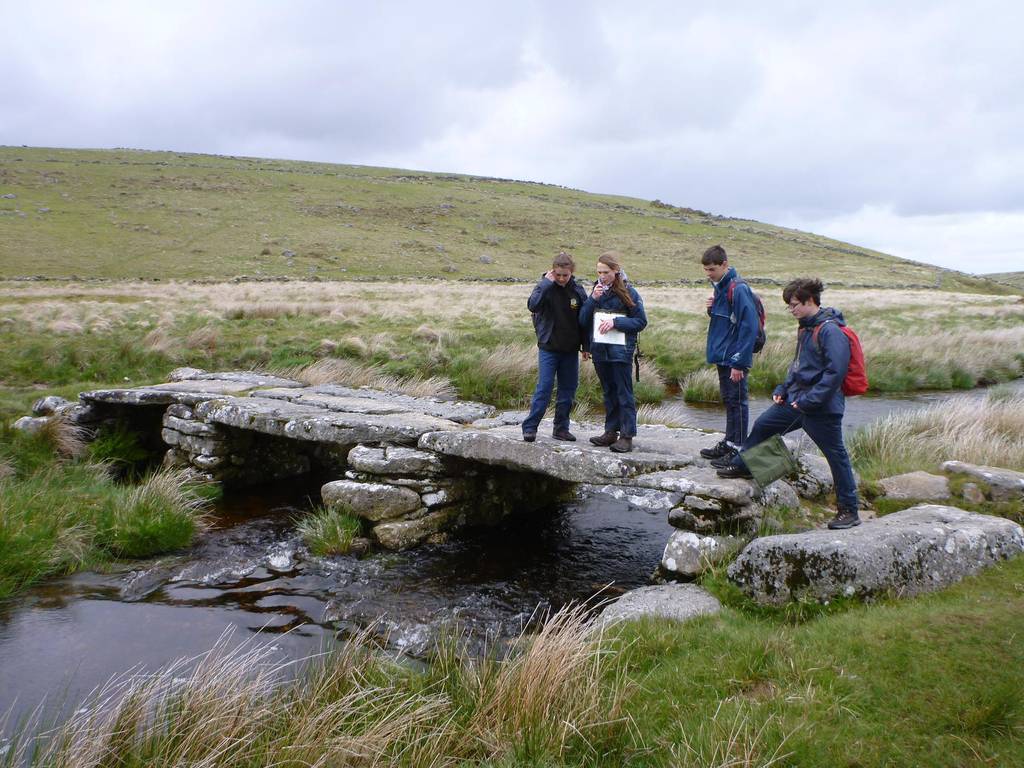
x=623, y=310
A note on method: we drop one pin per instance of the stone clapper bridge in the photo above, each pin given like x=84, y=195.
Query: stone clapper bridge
x=417, y=469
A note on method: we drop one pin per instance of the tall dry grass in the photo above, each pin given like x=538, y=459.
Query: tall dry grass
x=988, y=431
x=352, y=374
x=67, y=439
x=549, y=698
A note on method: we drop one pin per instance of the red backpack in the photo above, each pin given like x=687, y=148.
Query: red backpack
x=856, y=381
x=762, y=336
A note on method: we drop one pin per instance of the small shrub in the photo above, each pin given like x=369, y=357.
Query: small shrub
x=159, y=515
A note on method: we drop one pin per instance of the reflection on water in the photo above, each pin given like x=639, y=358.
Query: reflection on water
x=253, y=574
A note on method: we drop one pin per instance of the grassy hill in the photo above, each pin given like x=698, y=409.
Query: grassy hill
x=1015, y=279
x=135, y=214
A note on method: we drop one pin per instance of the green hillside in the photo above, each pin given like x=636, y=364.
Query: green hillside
x=1015, y=279
x=128, y=214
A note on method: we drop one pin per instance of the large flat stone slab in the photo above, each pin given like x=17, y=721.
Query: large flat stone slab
x=303, y=422
x=364, y=400
x=186, y=392
x=917, y=550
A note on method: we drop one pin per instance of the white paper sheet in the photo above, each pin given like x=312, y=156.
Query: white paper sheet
x=613, y=336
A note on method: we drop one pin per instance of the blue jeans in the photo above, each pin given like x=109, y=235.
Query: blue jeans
x=734, y=397
x=564, y=366
x=826, y=430
x=619, y=404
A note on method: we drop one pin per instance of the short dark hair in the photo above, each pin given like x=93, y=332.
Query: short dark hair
x=803, y=288
x=714, y=255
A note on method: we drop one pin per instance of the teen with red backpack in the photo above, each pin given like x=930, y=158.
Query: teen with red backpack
x=735, y=333
x=828, y=355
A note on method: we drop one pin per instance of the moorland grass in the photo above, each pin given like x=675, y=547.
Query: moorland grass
x=988, y=431
x=126, y=214
x=473, y=340
x=58, y=515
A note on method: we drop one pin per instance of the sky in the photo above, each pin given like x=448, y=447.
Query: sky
x=895, y=126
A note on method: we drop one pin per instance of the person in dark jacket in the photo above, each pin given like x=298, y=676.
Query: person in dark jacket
x=812, y=397
x=732, y=331
x=555, y=305
x=614, y=362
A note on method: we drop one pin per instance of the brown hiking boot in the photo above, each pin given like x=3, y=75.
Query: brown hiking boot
x=623, y=445
x=845, y=518
x=606, y=439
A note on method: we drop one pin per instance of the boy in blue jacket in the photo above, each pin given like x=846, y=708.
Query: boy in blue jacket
x=732, y=332
x=555, y=306
x=812, y=397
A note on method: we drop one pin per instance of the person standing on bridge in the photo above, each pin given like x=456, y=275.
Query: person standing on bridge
x=732, y=333
x=555, y=305
x=611, y=318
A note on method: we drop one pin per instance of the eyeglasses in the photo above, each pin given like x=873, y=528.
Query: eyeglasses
x=793, y=305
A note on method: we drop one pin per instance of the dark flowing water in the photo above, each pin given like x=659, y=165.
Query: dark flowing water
x=252, y=575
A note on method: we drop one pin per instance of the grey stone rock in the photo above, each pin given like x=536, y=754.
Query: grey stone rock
x=708, y=522
x=972, y=494
x=45, y=406
x=395, y=460
x=408, y=533
x=180, y=411
x=370, y=501
x=917, y=550
x=688, y=554
x=303, y=422
x=194, y=444
x=31, y=424
x=680, y=602
x=9, y=196
x=780, y=494
x=703, y=482
x=815, y=478
x=1003, y=484
x=335, y=397
x=184, y=374
x=921, y=486
x=209, y=463
x=192, y=427
x=485, y=259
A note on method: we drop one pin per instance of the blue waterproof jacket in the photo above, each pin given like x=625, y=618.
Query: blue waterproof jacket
x=815, y=380
x=631, y=323
x=733, y=329
x=543, y=319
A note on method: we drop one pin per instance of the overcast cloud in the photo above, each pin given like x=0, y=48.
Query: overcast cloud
x=894, y=126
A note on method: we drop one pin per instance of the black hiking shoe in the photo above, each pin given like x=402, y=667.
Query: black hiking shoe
x=606, y=439
x=623, y=445
x=724, y=461
x=529, y=437
x=844, y=519
x=735, y=470
x=717, y=451
x=564, y=434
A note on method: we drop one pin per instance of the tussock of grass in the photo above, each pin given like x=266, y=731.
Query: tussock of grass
x=57, y=516
x=546, y=700
x=701, y=386
x=668, y=414
x=65, y=437
x=329, y=531
x=987, y=431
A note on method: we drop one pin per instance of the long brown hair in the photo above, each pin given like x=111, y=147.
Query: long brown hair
x=613, y=260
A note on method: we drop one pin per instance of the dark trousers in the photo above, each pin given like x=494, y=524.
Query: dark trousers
x=619, y=404
x=734, y=397
x=826, y=430
x=565, y=367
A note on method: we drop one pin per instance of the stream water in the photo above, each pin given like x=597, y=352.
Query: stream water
x=250, y=574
